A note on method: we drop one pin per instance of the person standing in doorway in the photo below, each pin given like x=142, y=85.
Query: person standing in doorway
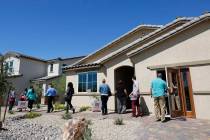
x=121, y=94
x=158, y=92
x=31, y=96
x=134, y=96
x=104, y=92
x=51, y=93
x=69, y=94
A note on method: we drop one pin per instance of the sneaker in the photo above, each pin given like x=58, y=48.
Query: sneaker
x=157, y=120
x=163, y=121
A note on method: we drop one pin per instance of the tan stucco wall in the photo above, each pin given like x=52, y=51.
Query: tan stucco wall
x=200, y=77
x=191, y=45
x=202, y=106
x=118, y=45
x=114, y=64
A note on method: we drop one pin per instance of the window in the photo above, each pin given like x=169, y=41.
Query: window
x=87, y=81
x=9, y=67
x=51, y=67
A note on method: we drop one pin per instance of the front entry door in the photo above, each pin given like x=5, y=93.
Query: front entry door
x=175, y=92
x=181, y=101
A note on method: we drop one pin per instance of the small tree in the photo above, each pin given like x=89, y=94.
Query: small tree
x=60, y=85
x=4, y=84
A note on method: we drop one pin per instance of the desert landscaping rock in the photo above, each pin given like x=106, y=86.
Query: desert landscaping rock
x=22, y=129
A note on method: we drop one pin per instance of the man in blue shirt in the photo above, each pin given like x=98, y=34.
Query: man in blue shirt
x=104, y=91
x=51, y=93
x=158, y=92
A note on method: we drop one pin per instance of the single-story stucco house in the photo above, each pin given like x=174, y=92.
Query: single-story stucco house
x=180, y=50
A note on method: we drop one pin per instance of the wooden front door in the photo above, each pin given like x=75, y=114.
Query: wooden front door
x=180, y=94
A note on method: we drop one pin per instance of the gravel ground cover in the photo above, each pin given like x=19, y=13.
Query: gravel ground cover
x=17, y=128
x=50, y=126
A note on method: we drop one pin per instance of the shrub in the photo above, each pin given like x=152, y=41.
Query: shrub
x=118, y=121
x=31, y=115
x=87, y=134
x=67, y=116
x=59, y=106
x=38, y=106
x=11, y=112
x=84, y=108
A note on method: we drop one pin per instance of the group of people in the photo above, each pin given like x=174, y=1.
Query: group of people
x=158, y=92
x=28, y=94
x=122, y=95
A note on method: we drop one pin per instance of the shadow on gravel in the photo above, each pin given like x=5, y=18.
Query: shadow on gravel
x=3, y=129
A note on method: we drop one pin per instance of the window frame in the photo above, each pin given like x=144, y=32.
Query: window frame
x=86, y=82
x=51, y=67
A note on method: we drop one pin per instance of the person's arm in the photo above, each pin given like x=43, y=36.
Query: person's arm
x=151, y=90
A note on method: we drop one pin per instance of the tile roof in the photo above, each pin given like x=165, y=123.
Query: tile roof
x=119, y=38
x=123, y=49
x=92, y=65
x=167, y=35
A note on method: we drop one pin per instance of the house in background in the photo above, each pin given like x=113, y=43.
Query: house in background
x=180, y=50
x=25, y=70
x=54, y=71
x=22, y=69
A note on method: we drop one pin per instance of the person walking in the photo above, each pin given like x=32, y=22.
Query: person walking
x=50, y=94
x=11, y=100
x=104, y=92
x=158, y=92
x=134, y=96
x=31, y=96
x=121, y=94
x=69, y=94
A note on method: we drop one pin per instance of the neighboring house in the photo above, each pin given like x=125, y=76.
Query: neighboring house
x=22, y=68
x=54, y=71
x=180, y=50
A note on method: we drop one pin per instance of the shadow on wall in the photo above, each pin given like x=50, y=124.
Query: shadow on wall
x=143, y=106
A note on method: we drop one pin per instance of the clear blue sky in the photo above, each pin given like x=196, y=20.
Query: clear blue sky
x=67, y=28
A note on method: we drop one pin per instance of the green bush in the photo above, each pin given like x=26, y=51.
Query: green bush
x=84, y=108
x=11, y=112
x=88, y=134
x=31, y=115
x=59, y=106
x=38, y=106
x=67, y=116
x=118, y=121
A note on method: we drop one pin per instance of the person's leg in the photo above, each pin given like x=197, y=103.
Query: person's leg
x=138, y=107
x=162, y=107
x=133, y=108
x=118, y=105
x=157, y=108
x=177, y=99
x=123, y=105
x=70, y=104
x=105, y=103
x=53, y=101
x=102, y=105
x=49, y=103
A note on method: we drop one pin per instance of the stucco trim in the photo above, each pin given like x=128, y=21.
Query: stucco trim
x=201, y=92
x=88, y=94
x=184, y=64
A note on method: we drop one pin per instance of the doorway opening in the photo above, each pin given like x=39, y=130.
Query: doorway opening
x=179, y=101
x=125, y=73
